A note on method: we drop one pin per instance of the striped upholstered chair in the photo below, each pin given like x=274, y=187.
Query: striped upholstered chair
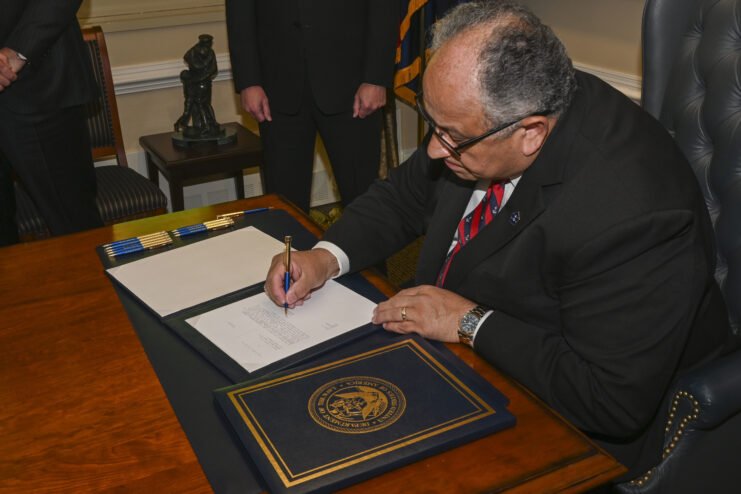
x=123, y=194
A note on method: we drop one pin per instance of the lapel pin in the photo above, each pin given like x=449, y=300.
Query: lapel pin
x=514, y=218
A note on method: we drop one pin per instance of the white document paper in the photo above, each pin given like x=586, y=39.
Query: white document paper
x=201, y=271
x=255, y=332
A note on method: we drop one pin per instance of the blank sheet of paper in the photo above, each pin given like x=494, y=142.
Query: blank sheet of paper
x=255, y=332
x=201, y=271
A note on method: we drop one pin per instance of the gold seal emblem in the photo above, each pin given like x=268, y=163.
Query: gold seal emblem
x=355, y=405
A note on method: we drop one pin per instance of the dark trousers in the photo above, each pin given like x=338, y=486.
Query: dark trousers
x=50, y=155
x=353, y=146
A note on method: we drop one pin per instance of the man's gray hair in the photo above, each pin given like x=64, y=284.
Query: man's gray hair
x=523, y=66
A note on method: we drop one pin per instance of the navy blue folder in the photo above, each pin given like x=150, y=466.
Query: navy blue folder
x=380, y=403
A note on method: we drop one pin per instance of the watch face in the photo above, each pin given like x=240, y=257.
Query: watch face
x=468, y=323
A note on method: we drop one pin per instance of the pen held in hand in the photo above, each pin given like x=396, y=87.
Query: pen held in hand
x=287, y=279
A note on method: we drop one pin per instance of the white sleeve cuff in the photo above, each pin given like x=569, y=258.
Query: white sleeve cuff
x=339, y=254
x=478, y=326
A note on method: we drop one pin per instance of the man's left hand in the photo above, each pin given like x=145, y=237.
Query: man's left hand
x=430, y=311
x=368, y=98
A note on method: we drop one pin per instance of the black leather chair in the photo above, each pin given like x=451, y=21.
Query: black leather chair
x=123, y=194
x=692, y=84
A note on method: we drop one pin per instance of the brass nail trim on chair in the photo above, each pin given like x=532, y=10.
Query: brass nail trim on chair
x=692, y=415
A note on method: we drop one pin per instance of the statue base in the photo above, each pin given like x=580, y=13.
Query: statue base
x=227, y=135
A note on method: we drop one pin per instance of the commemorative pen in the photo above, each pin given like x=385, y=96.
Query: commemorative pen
x=287, y=279
x=137, y=244
x=236, y=214
x=203, y=227
x=135, y=240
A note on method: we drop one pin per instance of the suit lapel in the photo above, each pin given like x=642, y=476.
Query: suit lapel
x=523, y=207
x=443, y=224
x=527, y=202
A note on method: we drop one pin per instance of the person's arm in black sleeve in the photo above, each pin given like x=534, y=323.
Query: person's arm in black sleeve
x=41, y=24
x=628, y=299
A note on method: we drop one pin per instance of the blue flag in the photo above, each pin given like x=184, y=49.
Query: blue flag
x=417, y=18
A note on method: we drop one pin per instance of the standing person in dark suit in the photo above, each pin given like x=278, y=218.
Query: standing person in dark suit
x=586, y=269
x=303, y=66
x=45, y=79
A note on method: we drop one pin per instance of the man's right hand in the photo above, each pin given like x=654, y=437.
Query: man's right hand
x=310, y=269
x=255, y=102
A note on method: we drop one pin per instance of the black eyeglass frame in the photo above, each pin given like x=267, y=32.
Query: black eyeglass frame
x=456, y=150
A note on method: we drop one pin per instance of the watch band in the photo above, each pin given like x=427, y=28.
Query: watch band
x=468, y=324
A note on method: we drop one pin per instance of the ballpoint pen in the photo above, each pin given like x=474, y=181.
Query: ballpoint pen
x=287, y=279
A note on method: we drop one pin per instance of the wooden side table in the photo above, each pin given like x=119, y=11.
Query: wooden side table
x=179, y=164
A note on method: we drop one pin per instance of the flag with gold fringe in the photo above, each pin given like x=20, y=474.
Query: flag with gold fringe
x=416, y=20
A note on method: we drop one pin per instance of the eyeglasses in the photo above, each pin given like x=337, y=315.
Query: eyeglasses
x=455, y=150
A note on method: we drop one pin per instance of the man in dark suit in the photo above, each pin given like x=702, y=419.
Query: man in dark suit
x=45, y=78
x=586, y=273
x=304, y=66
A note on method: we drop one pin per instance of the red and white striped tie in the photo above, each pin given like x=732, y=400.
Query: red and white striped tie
x=474, y=222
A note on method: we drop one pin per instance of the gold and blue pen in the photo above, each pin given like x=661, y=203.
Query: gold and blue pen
x=160, y=239
x=203, y=227
x=287, y=279
x=137, y=244
x=236, y=214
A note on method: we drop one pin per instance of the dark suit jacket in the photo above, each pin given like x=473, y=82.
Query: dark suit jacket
x=57, y=74
x=599, y=268
x=339, y=44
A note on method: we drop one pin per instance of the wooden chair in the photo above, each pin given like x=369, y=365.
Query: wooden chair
x=123, y=194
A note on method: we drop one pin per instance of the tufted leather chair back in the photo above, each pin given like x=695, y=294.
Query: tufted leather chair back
x=692, y=84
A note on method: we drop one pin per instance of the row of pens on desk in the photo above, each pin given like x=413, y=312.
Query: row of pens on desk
x=163, y=238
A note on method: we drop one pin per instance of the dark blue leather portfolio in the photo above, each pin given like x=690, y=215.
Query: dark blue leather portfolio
x=382, y=402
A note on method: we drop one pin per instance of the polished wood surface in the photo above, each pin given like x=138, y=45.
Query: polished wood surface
x=83, y=411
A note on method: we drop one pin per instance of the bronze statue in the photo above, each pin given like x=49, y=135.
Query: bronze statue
x=196, y=80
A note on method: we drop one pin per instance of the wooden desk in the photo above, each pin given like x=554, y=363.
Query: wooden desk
x=83, y=411
x=197, y=161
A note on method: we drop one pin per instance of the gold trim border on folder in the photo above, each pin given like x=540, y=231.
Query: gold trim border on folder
x=289, y=478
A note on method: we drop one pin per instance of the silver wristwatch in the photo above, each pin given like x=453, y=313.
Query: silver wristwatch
x=468, y=323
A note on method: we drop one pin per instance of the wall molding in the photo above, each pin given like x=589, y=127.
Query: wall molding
x=115, y=15
x=628, y=84
x=150, y=77
x=161, y=75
